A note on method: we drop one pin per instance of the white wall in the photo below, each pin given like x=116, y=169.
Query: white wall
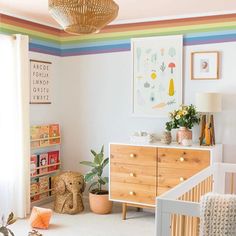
x=96, y=102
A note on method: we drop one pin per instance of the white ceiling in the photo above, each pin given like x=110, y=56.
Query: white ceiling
x=130, y=10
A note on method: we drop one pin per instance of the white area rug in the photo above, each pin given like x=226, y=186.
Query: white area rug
x=90, y=224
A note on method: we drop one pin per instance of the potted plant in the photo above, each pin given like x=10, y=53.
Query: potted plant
x=184, y=118
x=98, y=196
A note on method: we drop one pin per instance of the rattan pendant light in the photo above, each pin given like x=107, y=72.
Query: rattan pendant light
x=83, y=16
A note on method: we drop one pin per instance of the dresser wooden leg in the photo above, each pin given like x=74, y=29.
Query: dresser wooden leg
x=124, y=210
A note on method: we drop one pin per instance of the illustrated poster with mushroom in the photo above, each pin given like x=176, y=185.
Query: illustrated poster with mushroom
x=157, y=75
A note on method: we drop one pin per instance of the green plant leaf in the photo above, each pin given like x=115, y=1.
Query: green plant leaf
x=101, y=181
x=98, y=158
x=105, y=162
x=89, y=177
x=93, y=152
x=102, y=150
x=92, y=185
x=88, y=163
x=106, y=179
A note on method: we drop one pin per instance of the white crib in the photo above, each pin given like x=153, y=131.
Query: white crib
x=178, y=210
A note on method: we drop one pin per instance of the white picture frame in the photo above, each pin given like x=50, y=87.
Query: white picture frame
x=157, y=70
x=205, y=65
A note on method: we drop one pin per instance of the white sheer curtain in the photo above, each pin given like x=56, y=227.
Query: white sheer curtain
x=14, y=125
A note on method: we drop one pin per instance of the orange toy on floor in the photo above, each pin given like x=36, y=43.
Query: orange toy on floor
x=40, y=217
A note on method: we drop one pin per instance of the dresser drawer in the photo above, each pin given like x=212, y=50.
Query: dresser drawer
x=134, y=155
x=169, y=177
x=136, y=174
x=183, y=158
x=136, y=193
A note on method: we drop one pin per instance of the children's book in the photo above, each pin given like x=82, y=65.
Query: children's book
x=54, y=131
x=43, y=161
x=53, y=158
x=44, y=135
x=33, y=165
x=44, y=186
x=34, y=189
x=35, y=135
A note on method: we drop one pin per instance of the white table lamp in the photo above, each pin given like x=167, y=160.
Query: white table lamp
x=208, y=103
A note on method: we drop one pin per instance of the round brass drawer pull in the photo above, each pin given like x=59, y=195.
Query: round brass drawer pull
x=181, y=179
x=131, y=193
x=132, y=174
x=181, y=159
x=132, y=155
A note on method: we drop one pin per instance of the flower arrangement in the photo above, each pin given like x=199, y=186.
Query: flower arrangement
x=186, y=116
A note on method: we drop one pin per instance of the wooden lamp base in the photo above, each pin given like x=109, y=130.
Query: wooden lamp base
x=207, y=136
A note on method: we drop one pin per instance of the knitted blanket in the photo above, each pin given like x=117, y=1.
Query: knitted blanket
x=218, y=215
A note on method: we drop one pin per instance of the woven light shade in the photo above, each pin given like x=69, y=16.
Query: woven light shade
x=83, y=16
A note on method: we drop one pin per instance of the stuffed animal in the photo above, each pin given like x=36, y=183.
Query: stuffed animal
x=69, y=187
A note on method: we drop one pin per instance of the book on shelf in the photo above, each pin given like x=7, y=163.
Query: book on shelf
x=43, y=161
x=54, y=131
x=34, y=189
x=44, y=186
x=33, y=165
x=44, y=135
x=34, y=135
x=53, y=158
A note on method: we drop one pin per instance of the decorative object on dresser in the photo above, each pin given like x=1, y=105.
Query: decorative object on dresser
x=205, y=65
x=140, y=173
x=157, y=75
x=184, y=118
x=98, y=197
x=69, y=187
x=166, y=137
x=45, y=161
x=141, y=137
x=208, y=103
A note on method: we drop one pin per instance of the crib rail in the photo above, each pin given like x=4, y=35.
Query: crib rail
x=178, y=210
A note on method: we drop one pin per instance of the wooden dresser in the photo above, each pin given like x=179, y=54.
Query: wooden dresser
x=139, y=173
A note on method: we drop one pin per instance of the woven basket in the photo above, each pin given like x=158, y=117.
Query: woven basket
x=83, y=16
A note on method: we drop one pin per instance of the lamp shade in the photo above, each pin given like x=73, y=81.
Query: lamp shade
x=208, y=102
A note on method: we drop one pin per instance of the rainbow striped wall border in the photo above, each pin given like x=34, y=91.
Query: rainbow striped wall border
x=116, y=38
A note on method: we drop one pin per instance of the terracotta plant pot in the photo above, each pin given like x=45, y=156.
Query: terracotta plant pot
x=183, y=133
x=100, y=204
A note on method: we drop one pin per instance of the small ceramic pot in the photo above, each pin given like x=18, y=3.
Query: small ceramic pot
x=166, y=137
x=183, y=133
x=100, y=204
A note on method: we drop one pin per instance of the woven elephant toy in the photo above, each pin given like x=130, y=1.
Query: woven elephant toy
x=69, y=187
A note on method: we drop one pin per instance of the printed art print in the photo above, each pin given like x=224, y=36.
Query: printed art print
x=157, y=75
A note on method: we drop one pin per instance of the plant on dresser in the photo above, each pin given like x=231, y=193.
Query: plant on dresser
x=138, y=174
x=184, y=118
x=45, y=160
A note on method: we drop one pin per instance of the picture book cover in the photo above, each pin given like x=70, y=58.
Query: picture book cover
x=34, y=135
x=43, y=161
x=33, y=165
x=34, y=189
x=53, y=158
x=54, y=131
x=44, y=186
x=44, y=134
